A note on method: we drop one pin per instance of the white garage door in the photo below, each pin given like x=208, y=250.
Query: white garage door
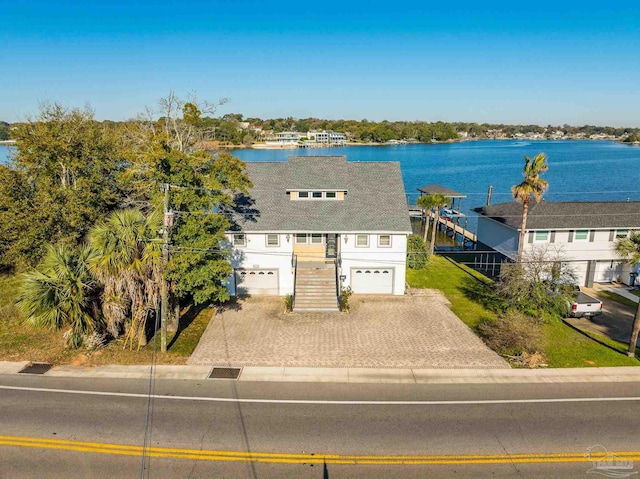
x=372, y=280
x=607, y=271
x=257, y=281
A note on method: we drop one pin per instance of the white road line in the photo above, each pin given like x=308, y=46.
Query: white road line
x=328, y=402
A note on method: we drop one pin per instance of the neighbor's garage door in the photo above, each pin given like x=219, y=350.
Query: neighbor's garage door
x=257, y=281
x=372, y=280
x=608, y=271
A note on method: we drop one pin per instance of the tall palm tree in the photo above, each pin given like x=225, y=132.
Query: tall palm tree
x=61, y=292
x=128, y=263
x=629, y=249
x=532, y=185
x=433, y=203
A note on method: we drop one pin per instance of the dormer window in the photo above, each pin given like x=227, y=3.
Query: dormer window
x=337, y=194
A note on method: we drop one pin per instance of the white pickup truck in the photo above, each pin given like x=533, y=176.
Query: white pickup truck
x=584, y=306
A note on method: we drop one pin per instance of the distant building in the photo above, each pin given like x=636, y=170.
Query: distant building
x=327, y=137
x=288, y=137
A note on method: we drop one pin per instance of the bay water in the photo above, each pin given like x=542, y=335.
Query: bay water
x=578, y=170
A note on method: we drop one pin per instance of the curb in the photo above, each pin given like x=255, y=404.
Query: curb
x=346, y=375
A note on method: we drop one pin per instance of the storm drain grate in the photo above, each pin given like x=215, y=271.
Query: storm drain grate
x=36, y=368
x=224, y=373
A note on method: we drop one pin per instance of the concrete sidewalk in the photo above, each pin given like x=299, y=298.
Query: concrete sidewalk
x=349, y=375
x=623, y=291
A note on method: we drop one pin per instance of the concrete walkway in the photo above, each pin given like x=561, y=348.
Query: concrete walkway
x=623, y=291
x=415, y=331
x=348, y=375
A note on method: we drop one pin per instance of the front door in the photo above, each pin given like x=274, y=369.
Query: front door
x=331, y=249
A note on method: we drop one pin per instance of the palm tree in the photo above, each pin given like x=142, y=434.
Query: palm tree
x=629, y=249
x=433, y=203
x=532, y=185
x=61, y=292
x=128, y=263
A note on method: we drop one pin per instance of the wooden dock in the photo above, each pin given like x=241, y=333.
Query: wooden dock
x=446, y=223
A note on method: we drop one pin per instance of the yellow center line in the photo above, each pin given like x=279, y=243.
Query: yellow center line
x=308, y=458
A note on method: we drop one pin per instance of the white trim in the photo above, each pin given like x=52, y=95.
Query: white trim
x=575, y=235
x=311, y=235
x=362, y=245
x=539, y=240
x=380, y=245
x=266, y=241
x=244, y=239
x=306, y=238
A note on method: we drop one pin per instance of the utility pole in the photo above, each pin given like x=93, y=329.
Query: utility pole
x=164, y=291
x=489, y=195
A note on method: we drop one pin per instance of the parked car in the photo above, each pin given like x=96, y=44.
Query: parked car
x=584, y=306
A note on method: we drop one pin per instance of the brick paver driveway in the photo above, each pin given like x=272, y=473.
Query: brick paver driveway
x=415, y=331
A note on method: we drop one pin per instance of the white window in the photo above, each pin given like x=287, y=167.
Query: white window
x=542, y=235
x=239, y=240
x=303, y=194
x=621, y=234
x=581, y=235
x=330, y=195
x=362, y=241
x=384, y=241
x=301, y=238
x=316, y=238
x=317, y=194
x=273, y=240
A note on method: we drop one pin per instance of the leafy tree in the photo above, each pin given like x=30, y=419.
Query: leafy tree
x=629, y=249
x=127, y=260
x=532, y=185
x=417, y=252
x=541, y=283
x=4, y=130
x=61, y=292
x=432, y=203
x=63, y=178
x=201, y=187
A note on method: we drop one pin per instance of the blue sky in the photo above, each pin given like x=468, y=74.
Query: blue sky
x=544, y=63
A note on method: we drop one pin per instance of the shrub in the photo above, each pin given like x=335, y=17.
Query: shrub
x=345, y=294
x=288, y=303
x=417, y=252
x=512, y=333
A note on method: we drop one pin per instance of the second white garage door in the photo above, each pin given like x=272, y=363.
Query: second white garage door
x=257, y=281
x=372, y=280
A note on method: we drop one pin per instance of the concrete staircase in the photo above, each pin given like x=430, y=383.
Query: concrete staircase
x=315, y=287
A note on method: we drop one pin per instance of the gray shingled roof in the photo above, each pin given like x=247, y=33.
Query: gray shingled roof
x=442, y=190
x=567, y=215
x=375, y=199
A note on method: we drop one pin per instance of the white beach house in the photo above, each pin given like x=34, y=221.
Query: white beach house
x=320, y=219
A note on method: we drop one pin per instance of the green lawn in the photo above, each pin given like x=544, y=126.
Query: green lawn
x=617, y=298
x=635, y=291
x=471, y=300
x=20, y=342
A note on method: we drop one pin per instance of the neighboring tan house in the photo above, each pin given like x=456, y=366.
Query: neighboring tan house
x=320, y=223
x=584, y=233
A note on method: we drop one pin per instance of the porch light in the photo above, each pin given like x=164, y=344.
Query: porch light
x=288, y=237
x=345, y=239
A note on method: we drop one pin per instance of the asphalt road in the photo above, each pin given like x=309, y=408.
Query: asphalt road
x=231, y=429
